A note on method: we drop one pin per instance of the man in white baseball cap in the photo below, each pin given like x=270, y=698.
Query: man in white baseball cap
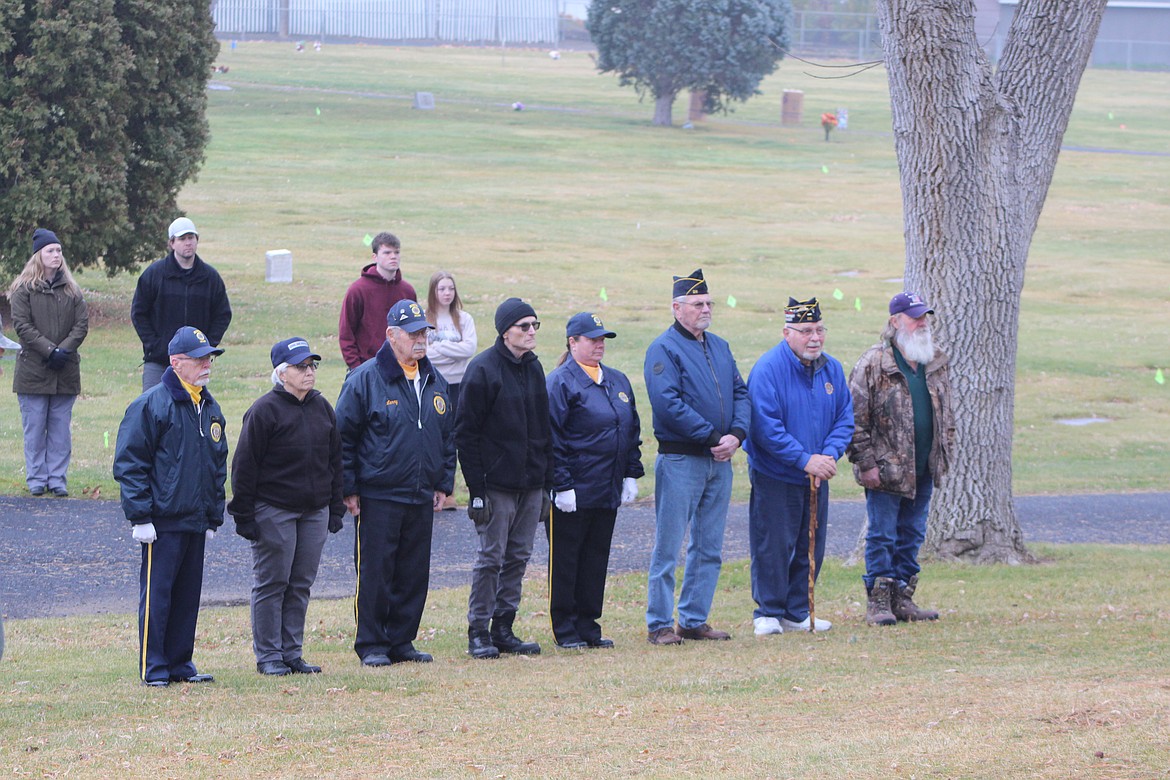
x=176, y=290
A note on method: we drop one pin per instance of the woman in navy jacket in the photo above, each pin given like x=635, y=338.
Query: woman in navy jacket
x=596, y=460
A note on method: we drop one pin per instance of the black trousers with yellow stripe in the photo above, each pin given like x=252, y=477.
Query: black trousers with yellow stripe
x=169, y=585
x=579, y=545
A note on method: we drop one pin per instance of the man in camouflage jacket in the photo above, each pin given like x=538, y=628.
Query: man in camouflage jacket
x=900, y=451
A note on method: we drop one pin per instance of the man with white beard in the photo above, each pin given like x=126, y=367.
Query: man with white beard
x=903, y=433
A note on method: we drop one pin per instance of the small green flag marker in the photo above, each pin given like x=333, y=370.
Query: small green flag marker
x=107, y=440
x=838, y=295
x=824, y=169
x=603, y=295
x=1110, y=116
x=857, y=303
x=368, y=240
x=731, y=301
x=318, y=111
x=1159, y=378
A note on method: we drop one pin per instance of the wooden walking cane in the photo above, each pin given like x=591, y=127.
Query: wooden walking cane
x=812, y=550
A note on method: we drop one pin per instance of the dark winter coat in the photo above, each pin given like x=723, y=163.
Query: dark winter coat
x=288, y=456
x=392, y=447
x=503, y=430
x=45, y=318
x=596, y=434
x=171, y=459
x=168, y=297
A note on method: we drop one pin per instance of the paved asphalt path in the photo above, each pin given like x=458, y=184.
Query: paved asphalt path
x=76, y=556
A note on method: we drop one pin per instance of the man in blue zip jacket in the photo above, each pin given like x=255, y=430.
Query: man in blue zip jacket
x=398, y=466
x=701, y=417
x=802, y=420
x=171, y=463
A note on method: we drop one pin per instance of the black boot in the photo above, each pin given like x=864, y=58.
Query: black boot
x=507, y=642
x=479, y=644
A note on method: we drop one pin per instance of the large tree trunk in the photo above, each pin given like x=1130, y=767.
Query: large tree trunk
x=662, y=110
x=976, y=150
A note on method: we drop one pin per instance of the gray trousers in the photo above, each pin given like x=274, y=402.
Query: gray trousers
x=152, y=374
x=284, y=566
x=505, y=545
x=48, y=444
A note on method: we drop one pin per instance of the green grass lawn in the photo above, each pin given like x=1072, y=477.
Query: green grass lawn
x=1050, y=671
x=313, y=151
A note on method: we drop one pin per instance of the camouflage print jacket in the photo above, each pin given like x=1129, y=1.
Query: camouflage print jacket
x=883, y=414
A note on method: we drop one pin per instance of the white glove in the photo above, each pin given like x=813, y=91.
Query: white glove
x=629, y=489
x=566, y=500
x=210, y=534
x=145, y=533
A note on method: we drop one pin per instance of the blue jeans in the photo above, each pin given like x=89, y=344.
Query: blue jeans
x=691, y=493
x=897, y=527
x=778, y=540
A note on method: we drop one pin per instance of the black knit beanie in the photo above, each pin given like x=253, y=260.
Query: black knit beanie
x=510, y=311
x=42, y=238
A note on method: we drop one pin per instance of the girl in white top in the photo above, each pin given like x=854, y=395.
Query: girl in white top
x=452, y=344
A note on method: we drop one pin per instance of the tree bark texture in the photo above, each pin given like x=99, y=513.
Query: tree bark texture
x=976, y=150
x=663, y=110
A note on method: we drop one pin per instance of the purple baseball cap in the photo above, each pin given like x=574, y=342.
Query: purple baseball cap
x=910, y=304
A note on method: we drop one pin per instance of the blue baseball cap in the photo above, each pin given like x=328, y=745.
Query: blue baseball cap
x=407, y=315
x=292, y=351
x=910, y=304
x=192, y=343
x=587, y=324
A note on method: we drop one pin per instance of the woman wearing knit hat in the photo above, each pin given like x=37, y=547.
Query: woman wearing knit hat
x=51, y=320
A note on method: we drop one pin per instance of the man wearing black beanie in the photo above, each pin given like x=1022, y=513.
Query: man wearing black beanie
x=504, y=437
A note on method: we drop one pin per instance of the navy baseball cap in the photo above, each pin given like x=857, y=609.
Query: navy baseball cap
x=910, y=304
x=192, y=343
x=407, y=315
x=292, y=351
x=588, y=325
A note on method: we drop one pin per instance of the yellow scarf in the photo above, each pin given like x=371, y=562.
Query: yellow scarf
x=410, y=371
x=195, y=391
x=594, y=372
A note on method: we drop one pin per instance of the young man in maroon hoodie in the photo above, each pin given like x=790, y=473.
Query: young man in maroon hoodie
x=361, y=331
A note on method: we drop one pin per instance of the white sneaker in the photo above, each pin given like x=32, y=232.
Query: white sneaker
x=792, y=625
x=767, y=625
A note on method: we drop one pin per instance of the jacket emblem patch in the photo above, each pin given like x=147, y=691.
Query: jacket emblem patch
x=440, y=404
x=216, y=432
x=828, y=388
x=392, y=402
x=624, y=398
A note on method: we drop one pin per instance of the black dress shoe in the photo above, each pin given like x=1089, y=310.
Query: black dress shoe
x=195, y=678
x=376, y=659
x=60, y=492
x=156, y=683
x=39, y=490
x=274, y=668
x=299, y=666
x=572, y=644
x=600, y=643
x=410, y=655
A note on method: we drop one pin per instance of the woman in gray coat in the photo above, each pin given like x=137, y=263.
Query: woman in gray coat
x=51, y=320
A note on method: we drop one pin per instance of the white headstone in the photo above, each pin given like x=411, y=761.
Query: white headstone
x=424, y=101
x=278, y=266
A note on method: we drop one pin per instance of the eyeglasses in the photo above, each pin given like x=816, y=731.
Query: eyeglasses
x=526, y=326
x=820, y=330
x=205, y=360
x=303, y=367
x=699, y=305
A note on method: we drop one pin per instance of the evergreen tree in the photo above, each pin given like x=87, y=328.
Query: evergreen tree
x=102, y=121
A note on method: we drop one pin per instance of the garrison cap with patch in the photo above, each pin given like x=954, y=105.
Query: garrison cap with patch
x=802, y=311
x=694, y=284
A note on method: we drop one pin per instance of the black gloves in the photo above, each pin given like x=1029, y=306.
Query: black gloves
x=545, y=505
x=248, y=529
x=57, y=359
x=335, y=524
x=479, y=510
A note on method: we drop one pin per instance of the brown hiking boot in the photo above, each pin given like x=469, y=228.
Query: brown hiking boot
x=664, y=636
x=877, y=609
x=903, y=604
x=701, y=631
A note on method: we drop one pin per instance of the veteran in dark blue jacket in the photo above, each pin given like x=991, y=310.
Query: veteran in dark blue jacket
x=171, y=464
x=398, y=466
x=596, y=462
x=701, y=417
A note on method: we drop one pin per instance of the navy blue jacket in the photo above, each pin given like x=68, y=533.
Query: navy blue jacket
x=288, y=455
x=503, y=432
x=596, y=434
x=167, y=298
x=392, y=447
x=696, y=392
x=171, y=459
